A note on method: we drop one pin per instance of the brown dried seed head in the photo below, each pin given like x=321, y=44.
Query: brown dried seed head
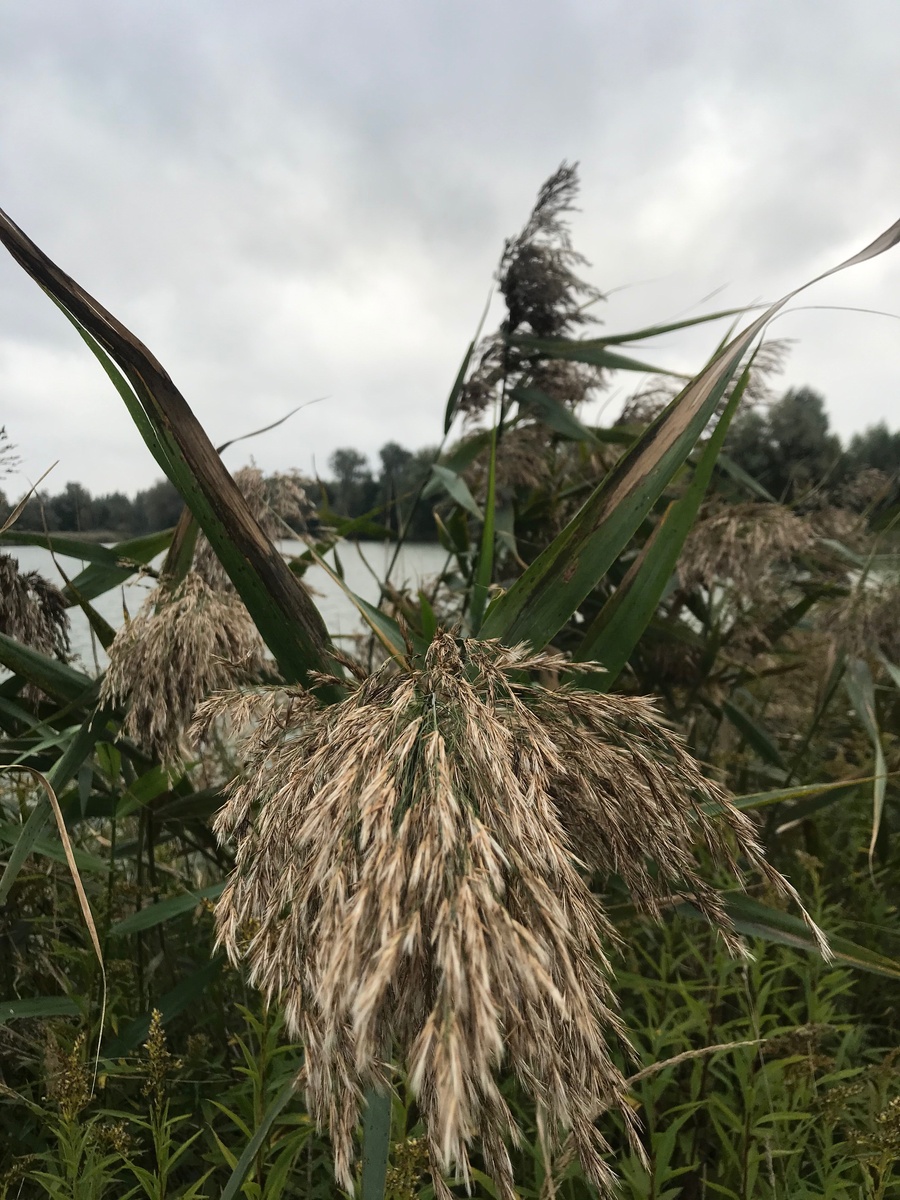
x=277, y=501
x=742, y=546
x=179, y=649
x=32, y=610
x=866, y=622
x=407, y=884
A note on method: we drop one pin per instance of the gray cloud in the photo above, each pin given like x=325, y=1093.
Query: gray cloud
x=304, y=200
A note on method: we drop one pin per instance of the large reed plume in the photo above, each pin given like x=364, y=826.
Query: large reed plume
x=185, y=643
x=411, y=882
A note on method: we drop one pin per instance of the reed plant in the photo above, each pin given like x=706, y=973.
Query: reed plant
x=464, y=870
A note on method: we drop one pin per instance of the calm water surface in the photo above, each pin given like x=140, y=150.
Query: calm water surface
x=416, y=563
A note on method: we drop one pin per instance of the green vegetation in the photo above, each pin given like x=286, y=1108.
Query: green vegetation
x=396, y=859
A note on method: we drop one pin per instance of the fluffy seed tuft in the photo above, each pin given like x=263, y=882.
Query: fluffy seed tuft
x=32, y=610
x=182, y=646
x=411, y=882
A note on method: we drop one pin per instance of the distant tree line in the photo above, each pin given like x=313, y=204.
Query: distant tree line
x=791, y=450
x=386, y=496
x=787, y=446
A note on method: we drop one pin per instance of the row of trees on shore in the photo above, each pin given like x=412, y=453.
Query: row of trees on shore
x=353, y=489
x=788, y=447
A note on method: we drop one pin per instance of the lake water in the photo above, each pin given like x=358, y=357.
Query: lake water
x=417, y=563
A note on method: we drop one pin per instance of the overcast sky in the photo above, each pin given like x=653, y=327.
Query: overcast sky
x=308, y=198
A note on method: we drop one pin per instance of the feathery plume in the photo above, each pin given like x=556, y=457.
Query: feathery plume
x=866, y=622
x=766, y=362
x=544, y=299
x=742, y=545
x=32, y=609
x=277, y=501
x=411, y=882
x=181, y=647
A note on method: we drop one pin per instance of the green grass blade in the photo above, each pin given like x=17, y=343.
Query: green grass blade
x=484, y=568
x=102, y=629
x=621, y=622
x=754, y=919
x=458, y=383
x=651, y=331
x=376, y=1145
x=155, y=444
x=164, y=910
x=247, y=1160
x=63, y=544
x=10, y=833
x=456, y=390
x=594, y=351
x=38, y=1007
x=457, y=488
x=861, y=690
x=756, y=800
x=384, y=627
x=554, y=414
x=129, y=559
x=78, y=752
x=746, y=480
x=892, y=670
x=56, y=678
x=754, y=734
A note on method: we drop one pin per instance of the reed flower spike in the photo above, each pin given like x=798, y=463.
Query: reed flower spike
x=743, y=546
x=183, y=644
x=32, y=610
x=278, y=502
x=412, y=884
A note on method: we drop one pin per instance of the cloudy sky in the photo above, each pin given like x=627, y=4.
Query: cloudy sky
x=306, y=198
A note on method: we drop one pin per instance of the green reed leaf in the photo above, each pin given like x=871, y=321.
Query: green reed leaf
x=164, y=910
x=861, y=690
x=623, y=619
x=37, y=1008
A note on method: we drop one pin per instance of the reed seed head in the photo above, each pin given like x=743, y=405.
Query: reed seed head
x=181, y=647
x=866, y=622
x=411, y=882
x=277, y=501
x=544, y=298
x=742, y=546
x=32, y=609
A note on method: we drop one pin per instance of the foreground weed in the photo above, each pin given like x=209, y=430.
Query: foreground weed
x=86, y=1159
x=167, y=1146
x=266, y=1061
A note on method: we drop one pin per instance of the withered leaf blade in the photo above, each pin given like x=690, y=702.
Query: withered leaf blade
x=286, y=617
